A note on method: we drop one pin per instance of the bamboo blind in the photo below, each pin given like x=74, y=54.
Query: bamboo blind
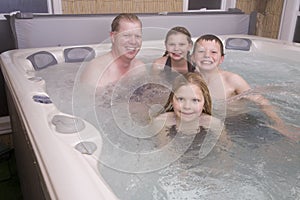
x=268, y=23
x=269, y=15
x=119, y=6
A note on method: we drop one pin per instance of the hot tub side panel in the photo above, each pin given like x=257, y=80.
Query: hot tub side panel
x=50, y=167
x=32, y=183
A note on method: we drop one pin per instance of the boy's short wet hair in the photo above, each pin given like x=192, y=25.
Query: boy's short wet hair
x=210, y=37
x=123, y=16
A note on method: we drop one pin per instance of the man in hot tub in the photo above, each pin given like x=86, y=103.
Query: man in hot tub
x=126, y=40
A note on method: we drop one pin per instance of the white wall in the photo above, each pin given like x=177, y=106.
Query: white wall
x=225, y=5
x=289, y=19
x=55, y=6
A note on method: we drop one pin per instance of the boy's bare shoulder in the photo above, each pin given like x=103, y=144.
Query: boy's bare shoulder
x=233, y=78
x=237, y=82
x=230, y=75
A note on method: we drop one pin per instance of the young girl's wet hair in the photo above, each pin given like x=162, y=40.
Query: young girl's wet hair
x=209, y=37
x=186, y=79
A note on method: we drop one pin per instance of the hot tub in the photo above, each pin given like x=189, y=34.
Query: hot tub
x=49, y=167
x=58, y=152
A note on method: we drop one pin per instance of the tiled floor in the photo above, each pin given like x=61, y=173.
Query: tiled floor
x=9, y=181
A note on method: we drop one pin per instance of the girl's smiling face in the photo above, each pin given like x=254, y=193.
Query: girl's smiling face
x=188, y=103
x=178, y=46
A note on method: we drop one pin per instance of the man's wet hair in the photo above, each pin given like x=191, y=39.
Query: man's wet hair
x=123, y=16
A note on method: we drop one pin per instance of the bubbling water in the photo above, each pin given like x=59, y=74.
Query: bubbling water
x=257, y=159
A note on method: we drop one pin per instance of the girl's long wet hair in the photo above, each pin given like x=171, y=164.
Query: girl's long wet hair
x=186, y=79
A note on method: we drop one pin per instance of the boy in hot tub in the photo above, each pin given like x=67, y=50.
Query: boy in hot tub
x=208, y=55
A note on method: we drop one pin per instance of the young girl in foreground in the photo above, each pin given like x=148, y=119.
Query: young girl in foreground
x=188, y=109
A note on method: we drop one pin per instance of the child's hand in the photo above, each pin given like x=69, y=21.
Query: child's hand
x=290, y=131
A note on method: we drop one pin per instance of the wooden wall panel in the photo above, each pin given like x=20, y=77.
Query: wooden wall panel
x=118, y=6
x=269, y=15
x=269, y=11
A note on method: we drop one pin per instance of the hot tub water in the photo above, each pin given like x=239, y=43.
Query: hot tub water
x=255, y=163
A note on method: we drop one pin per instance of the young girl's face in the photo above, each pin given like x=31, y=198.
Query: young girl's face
x=207, y=55
x=178, y=46
x=188, y=102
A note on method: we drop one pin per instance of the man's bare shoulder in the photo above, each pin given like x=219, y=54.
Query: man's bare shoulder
x=159, y=64
x=138, y=63
x=92, y=69
x=161, y=60
x=138, y=66
x=100, y=60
